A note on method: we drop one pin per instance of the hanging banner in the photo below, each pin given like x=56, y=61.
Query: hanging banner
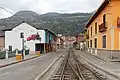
x=34, y=37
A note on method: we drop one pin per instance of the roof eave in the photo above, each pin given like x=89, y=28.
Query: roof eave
x=102, y=6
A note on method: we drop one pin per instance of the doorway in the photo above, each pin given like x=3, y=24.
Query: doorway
x=39, y=47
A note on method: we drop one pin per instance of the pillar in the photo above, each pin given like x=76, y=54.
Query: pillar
x=47, y=48
x=44, y=49
x=6, y=56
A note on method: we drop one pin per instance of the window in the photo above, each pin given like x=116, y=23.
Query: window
x=95, y=42
x=88, y=31
x=96, y=28
x=91, y=31
x=88, y=44
x=10, y=48
x=91, y=43
x=104, y=41
x=104, y=18
x=22, y=35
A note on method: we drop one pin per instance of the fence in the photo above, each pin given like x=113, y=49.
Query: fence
x=2, y=55
x=11, y=53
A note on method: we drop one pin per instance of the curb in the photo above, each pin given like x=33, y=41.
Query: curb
x=102, y=69
x=1, y=66
x=96, y=56
x=47, y=69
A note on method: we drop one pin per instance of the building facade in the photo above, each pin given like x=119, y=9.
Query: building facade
x=2, y=40
x=80, y=38
x=60, y=41
x=103, y=30
x=13, y=38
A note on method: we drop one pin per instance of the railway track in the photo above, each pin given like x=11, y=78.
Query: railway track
x=72, y=69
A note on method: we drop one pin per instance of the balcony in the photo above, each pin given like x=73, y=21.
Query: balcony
x=103, y=27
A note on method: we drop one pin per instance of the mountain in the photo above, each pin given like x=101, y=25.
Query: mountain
x=4, y=13
x=66, y=24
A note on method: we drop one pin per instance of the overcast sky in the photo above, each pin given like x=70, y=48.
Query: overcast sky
x=44, y=6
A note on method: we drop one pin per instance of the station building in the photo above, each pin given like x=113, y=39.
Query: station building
x=103, y=30
x=13, y=40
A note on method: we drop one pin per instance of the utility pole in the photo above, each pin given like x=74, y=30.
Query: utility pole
x=22, y=37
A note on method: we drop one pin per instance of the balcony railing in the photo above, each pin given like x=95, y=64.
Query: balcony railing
x=103, y=27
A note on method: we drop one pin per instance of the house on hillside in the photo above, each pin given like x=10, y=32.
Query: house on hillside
x=35, y=39
x=103, y=30
x=80, y=38
x=60, y=43
x=80, y=41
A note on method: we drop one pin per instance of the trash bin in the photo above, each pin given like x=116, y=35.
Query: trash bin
x=18, y=57
x=38, y=53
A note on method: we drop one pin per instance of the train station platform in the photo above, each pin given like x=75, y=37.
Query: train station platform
x=108, y=66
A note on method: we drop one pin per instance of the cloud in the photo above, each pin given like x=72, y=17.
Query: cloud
x=43, y=6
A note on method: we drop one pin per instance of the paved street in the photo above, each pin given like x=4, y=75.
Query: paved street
x=110, y=66
x=13, y=59
x=28, y=70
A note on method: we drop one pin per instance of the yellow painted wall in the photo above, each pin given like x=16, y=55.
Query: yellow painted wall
x=115, y=14
x=112, y=11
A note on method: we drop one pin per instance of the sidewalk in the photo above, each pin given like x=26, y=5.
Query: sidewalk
x=105, y=56
x=9, y=61
x=30, y=69
x=110, y=67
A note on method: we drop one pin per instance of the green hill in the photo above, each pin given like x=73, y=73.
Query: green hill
x=66, y=24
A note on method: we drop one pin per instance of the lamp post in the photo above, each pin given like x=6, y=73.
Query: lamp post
x=22, y=37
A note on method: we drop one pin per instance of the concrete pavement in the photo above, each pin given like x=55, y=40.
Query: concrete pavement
x=111, y=67
x=30, y=69
x=13, y=59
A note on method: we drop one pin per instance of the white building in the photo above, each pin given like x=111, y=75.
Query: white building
x=13, y=40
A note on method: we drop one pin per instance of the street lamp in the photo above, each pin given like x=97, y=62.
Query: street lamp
x=22, y=37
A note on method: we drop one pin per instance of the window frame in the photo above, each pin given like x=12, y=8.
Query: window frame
x=10, y=47
x=95, y=42
x=91, y=43
x=96, y=28
x=91, y=31
x=104, y=18
x=104, y=38
x=88, y=44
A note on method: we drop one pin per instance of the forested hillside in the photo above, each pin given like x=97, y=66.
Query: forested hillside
x=66, y=24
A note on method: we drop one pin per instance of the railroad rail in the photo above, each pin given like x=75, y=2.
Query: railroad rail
x=72, y=69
